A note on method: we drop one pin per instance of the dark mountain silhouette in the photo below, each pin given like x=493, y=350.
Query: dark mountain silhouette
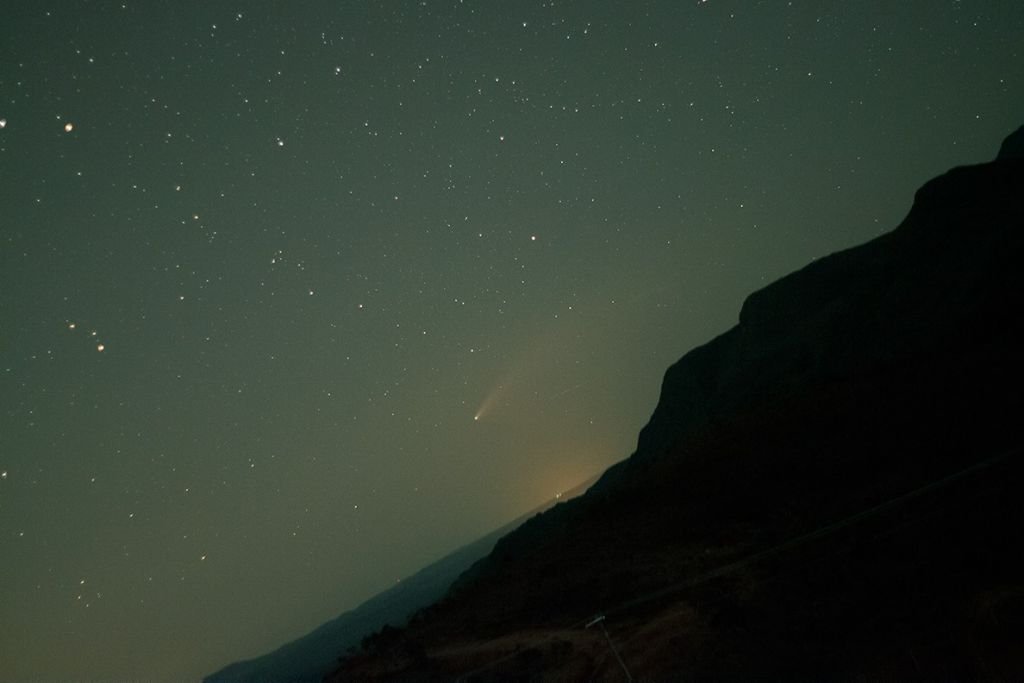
x=309, y=658
x=1013, y=146
x=830, y=490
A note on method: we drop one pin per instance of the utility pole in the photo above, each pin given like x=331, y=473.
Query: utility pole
x=599, y=621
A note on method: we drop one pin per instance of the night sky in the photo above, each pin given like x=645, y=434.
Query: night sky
x=297, y=297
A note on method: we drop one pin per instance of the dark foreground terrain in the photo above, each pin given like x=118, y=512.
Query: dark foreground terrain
x=830, y=490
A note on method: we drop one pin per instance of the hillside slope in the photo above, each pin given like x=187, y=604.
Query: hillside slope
x=830, y=489
x=309, y=658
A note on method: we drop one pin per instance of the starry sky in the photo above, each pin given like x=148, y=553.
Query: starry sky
x=297, y=297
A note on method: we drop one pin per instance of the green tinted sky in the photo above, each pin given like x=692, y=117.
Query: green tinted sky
x=316, y=240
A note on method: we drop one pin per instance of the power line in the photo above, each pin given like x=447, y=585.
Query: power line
x=599, y=620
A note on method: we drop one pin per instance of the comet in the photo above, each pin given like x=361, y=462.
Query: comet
x=490, y=401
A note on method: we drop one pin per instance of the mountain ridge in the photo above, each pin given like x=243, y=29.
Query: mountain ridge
x=859, y=379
